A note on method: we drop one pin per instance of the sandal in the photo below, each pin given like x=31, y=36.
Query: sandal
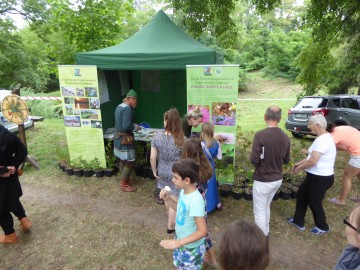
x=355, y=199
x=318, y=231
x=336, y=201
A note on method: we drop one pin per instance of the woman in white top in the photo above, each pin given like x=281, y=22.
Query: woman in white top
x=319, y=167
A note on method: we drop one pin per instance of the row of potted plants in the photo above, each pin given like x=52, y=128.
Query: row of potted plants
x=242, y=187
x=87, y=169
x=287, y=191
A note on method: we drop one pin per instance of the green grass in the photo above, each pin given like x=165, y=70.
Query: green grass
x=84, y=223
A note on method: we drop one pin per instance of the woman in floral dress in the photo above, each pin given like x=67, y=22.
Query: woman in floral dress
x=166, y=148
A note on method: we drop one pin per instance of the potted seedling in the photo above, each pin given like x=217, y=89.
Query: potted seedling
x=98, y=170
x=88, y=168
x=237, y=192
x=78, y=169
x=63, y=156
x=225, y=190
x=110, y=165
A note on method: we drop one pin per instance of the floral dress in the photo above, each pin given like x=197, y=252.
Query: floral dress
x=168, y=153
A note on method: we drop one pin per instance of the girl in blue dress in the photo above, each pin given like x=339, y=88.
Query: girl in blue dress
x=212, y=150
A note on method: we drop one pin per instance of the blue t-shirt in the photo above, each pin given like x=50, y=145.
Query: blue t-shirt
x=189, y=206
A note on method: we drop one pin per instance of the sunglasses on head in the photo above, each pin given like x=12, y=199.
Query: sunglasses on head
x=347, y=222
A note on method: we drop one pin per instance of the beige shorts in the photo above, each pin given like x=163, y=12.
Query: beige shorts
x=355, y=161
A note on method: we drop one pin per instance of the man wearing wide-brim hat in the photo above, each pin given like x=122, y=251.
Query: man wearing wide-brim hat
x=124, y=147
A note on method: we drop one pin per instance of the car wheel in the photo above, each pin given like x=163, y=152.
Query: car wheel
x=297, y=135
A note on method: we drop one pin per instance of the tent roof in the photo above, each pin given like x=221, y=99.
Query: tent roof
x=160, y=44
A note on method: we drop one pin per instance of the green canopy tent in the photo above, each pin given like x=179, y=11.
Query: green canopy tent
x=153, y=61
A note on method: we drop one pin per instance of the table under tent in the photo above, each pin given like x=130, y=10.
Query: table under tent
x=152, y=62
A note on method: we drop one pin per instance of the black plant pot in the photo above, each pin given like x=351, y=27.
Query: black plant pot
x=109, y=172
x=285, y=194
x=69, y=171
x=60, y=165
x=237, y=195
x=151, y=174
x=276, y=196
x=99, y=173
x=78, y=172
x=88, y=173
x=138, y=170
x=248, y=195
x=225, y=190
x=145, y=172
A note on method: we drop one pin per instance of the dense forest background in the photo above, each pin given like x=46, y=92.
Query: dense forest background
x=313, y=42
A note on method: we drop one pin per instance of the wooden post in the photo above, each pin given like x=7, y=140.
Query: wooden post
x=22, y=136
x=16, y=91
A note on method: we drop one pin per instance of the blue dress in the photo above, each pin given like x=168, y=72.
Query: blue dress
x=212, y=194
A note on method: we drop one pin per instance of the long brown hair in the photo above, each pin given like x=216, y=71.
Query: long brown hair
x=244, y=246
x=207, y=133
x=192, y=149
x=173, y=126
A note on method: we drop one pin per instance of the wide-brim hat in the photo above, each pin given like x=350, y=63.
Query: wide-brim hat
x=132, y=93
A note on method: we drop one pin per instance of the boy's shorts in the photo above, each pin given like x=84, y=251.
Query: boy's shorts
x=189, y=258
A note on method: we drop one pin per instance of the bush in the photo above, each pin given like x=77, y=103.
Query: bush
x=46, y=108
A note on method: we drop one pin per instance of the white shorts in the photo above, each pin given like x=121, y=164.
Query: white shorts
x=355, y=161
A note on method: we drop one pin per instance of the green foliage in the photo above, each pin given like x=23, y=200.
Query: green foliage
x=282, y=49
x=314, y=60
x=46, y=108
x=333, y=25
x=62, y=152
x=200, y=16
x=96, y=164
x=90, y=24
x=109, y=154
x=140, y=152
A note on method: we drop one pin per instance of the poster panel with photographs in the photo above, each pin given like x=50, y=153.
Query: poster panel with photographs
x=82, y=116
x=213, y=90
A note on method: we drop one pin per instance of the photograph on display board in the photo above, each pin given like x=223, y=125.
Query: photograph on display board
x=82, y=103
x=79, y=92
x=224, y=113
x=86, y=123
x=96, y=124
x=76, y=112
x=204, y=109
x=68, y=100
x=94, y=103
x=228, y=149
x=69, y=110
x=227, y=138
x=91, y=92
x=72, y=121
x=89, y=114
x=67, y=91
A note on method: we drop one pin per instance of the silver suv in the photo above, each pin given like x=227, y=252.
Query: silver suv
x=338, y=109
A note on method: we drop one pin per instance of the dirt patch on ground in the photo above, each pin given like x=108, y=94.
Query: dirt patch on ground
x=286, y=254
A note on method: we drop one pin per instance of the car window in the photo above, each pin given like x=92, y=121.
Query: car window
x=313, y=102
x=350, y=103
x=336, y=102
